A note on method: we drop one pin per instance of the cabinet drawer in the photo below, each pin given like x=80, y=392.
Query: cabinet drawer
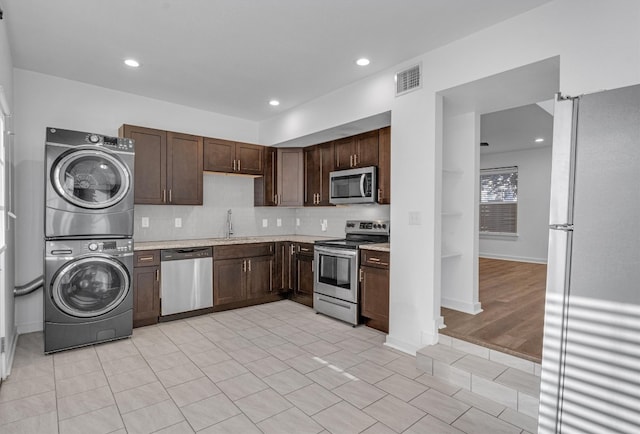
x=146, y=258
x=304, y=248
x=374, y=258
x=242, y=251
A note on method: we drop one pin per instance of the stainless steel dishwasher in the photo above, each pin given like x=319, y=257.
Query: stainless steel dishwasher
x=187, y=280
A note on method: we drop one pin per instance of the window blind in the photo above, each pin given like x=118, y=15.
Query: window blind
x=499, y=200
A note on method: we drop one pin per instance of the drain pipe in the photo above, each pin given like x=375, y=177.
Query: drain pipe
x=28, y=288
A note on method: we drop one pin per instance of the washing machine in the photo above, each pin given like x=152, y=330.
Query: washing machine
x=88, y=293
x=89, y=185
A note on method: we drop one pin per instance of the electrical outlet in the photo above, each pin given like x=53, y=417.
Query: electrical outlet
x=415, y=218
x=178, y=222
x=323, y=225
x=297, y=222
x=265, y=223
x=278, y=222
x=145, y=222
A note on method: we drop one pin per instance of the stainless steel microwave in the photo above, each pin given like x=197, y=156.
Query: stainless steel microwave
x=353, y=186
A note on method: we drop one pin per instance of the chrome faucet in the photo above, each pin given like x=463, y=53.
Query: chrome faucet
x=229, y=226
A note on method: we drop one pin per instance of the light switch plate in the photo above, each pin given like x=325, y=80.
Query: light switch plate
x=278, y=222
x=265, y=223
x=178, y=222
x=145, y=222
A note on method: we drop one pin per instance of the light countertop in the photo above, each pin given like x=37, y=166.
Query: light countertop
x=380, y=247
x=202, y=242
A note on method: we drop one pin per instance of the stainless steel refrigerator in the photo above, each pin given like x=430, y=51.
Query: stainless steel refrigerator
x=590, y=381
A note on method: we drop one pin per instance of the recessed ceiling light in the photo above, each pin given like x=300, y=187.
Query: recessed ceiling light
x=132, y=63
x=539, y=140
x=274, y=102
x=362, y=61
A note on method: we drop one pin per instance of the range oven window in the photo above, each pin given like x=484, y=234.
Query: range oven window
x=334, y=270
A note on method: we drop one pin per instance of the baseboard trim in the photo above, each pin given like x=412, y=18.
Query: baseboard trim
x=400, y=345
x=462, y=306
x=513, y=258
x=30, y=327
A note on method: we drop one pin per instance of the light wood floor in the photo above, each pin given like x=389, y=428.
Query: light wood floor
x=512, y=298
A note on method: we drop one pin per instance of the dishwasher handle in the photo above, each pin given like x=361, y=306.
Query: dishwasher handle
x=187, y=253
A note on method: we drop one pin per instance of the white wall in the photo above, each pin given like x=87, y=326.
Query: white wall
x=534, y=188
x=597, y=42
x=43, y=101
x=7, y=273
x=459, y=270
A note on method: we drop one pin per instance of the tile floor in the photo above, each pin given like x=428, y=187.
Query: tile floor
x=273, y=368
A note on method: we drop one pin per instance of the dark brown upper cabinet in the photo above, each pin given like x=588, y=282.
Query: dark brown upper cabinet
x=384, y=165
x=232, y=157
x=168, y=166
x=318, y=164
x=357, y=151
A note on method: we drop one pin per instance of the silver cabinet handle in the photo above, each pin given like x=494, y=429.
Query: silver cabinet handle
x=170, y=200
x=164, y=196
x=350, y=160
x=244, y=266
x=355, y=160
x=157, y=275
x=249, y=265
x=238, y=165
x=234, y=165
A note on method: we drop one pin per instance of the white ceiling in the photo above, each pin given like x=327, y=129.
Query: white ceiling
x=516, y=129
x=233, y=56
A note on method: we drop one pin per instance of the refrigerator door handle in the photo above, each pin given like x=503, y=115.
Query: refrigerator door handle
x=563, y=227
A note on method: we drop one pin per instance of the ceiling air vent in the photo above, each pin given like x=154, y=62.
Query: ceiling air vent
x=408, y=80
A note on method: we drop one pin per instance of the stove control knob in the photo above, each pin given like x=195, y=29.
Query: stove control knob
x=94, y=138
x=93, y=246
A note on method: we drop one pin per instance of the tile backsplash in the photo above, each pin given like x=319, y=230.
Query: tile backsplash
x=223, y=192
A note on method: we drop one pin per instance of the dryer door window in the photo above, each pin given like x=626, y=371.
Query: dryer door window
x=90, y=287
x=91, y=179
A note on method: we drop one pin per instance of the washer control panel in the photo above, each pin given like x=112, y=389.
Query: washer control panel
x=78, y=138
x=82, y=247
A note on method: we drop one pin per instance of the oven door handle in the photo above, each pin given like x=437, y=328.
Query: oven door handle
x=342, y=253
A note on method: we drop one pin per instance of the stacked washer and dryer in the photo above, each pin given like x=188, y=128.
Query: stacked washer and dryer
x=89, y=202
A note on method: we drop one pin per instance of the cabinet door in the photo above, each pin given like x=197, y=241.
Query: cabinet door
x=327, y=160
x=150, y=170
x=146, y=295
x=344, y=151
x=265, y=187
x=184, y=169
x=249, y=158
x=219, y=155
x=304, y=275
x=228, y=281
x=259, y=276
x=282, y=267
x=290, y=177
x=366, y=153
x=374, y=293
x=311, y=175
x=384, y=165
x=270, y=176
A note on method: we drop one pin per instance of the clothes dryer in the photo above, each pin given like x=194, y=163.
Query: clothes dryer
x=88, y=294
x=89, y=185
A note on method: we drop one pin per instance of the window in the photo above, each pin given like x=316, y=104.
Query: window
x=499, y=201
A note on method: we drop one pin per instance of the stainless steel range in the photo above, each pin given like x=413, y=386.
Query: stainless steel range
x=337, y=262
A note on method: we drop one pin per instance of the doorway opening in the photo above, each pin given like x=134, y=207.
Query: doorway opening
x=492, y=281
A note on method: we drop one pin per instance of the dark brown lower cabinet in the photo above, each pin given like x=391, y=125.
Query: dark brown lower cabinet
x=282, y=275
x=303, y=274
x=146, y=288
x=243, y=275
x=374, y=289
